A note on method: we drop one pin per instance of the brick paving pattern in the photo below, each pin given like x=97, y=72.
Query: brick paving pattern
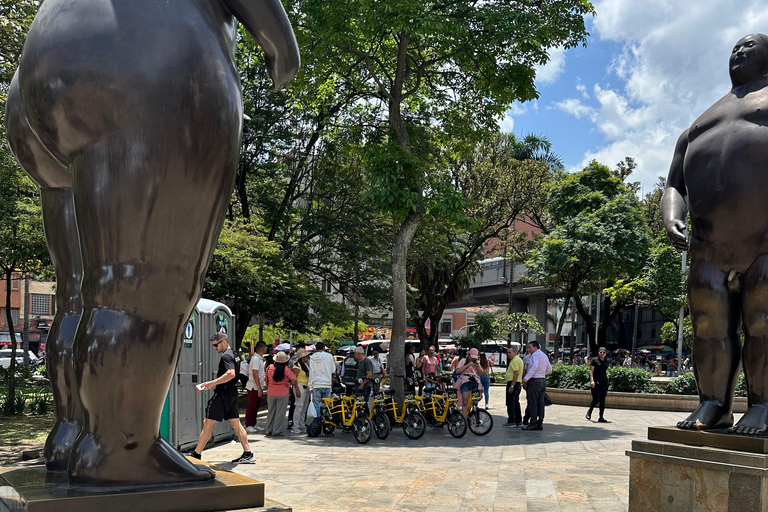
x=573, y=465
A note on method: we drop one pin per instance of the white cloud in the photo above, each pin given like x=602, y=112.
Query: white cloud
x=507, y=124
x=576, y=108
x=582, y=89
x=673, y=64
x=551, y=71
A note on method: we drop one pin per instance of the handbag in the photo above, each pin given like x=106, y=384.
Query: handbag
x=547, y=400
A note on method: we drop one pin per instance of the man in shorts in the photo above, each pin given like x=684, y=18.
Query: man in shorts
x=223, y=405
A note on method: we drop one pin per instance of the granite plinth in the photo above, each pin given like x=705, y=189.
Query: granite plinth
x=30, y=488
x=711, y=438
x=668, y=476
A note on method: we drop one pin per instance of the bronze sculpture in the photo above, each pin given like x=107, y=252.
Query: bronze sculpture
x=128, y=114
x=718, y=167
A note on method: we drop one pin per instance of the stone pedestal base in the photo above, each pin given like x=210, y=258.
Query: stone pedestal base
x=665, y=476
x=30, y=488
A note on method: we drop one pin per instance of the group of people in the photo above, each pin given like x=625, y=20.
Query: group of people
x=529, y=373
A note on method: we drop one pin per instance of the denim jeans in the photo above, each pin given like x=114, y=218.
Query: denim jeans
x=317, y=397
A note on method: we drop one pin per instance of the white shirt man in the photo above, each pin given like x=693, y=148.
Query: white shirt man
x=535, y=384
x=321, y=370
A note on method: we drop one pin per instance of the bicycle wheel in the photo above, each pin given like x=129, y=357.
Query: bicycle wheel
x=328, y=428
x=362, y=429
x=381, y=426
x=414, y=425
x=457, y=424
x=479, y=422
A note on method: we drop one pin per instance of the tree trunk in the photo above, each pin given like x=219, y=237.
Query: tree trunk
x=573, y=329
x=588, y=320
x=560, y=323
x=402, y=240
x=25, y=325
x=634, y=334
x=11, y=410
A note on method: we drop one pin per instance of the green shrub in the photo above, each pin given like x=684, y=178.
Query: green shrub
x=741, y=386
x=683, y=385
x=626, y=380
x=9, y=405
x=630, y=380
x=569, y=377
x=39, y=402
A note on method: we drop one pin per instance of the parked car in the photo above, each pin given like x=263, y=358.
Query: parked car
x=5, y=357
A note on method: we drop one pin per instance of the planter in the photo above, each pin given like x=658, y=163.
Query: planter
x=642, y=401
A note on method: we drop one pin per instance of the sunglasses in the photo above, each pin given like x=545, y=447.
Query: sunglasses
x=603, y=352
x=219, y=343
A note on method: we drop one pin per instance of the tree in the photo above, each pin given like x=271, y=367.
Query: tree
x=597, y=240
x=434, y=66
x=503, y=179
x=22, y=242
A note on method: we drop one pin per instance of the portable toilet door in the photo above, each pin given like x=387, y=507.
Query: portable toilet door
x=188, y=404
x=215, y=317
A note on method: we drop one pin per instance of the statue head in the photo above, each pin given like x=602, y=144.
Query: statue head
x=749, y=59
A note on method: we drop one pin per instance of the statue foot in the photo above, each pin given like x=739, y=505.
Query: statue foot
x=59, y=444
x=753, y=423
x=707, y=416
x=96, y=465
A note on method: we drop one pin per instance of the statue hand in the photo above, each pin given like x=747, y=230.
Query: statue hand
x=676, y=235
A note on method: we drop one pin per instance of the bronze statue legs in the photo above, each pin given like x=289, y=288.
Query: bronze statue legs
x=716, y=316
x=755, y=297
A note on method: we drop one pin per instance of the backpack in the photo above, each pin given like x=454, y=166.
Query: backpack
x=314, y=428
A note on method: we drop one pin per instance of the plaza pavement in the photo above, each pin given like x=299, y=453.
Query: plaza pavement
x=573, y=465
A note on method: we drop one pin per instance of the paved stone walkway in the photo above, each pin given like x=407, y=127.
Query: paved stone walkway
x=572, y=465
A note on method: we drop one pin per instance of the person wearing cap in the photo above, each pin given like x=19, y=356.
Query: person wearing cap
x=535, y=385
x=466, y=367
x=321, y=371
x=279, y=379
x=301, y=369
x=598, y=380
x=223, y=405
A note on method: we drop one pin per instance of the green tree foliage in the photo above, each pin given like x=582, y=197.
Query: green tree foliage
x=524, y=323
x=451, y=67
x=669, y=333
x=596, y=238
x=501, y=180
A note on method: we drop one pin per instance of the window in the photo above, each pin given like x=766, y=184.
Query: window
x=640, y=316
x=15, y=316
x=15, y=278
x=39, y=304
x=653, y=333
x=445, y=327
x=326, y=286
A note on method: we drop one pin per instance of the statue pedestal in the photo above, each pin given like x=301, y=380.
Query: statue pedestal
x=678, y=470
x=30, y=488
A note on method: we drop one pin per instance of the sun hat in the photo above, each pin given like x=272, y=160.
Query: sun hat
x=281, y=357
x=473, y=352
x=301, y=353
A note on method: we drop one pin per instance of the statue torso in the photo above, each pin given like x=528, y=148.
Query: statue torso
x=726, y=176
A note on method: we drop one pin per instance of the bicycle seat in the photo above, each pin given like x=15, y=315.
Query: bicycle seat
x=338, y=390
x=388, y=391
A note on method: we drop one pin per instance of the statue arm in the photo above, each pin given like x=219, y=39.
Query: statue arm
x=267, y=22
x=673, y=205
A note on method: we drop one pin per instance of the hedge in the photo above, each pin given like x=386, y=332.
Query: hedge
x=620, y=378
x=686, y=385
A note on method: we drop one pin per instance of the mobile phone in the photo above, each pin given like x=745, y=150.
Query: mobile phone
x=200, y=387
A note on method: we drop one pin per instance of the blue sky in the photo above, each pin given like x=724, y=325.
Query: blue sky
x=649, y=69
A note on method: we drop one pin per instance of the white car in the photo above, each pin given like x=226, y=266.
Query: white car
x=5, y=357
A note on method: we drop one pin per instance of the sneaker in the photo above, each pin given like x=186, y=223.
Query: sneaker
x=603, y=420
x=510, y=424
x=251, y=430
x=193, y=454
x=245, y=458
x=296, y=430
x=260, y=429
x=518, y=424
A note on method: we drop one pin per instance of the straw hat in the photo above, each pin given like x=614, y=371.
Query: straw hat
x=281, y=357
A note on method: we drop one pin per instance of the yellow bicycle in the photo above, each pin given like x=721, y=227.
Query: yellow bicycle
x=347, y=413
x=409, y=417
x=479, y=421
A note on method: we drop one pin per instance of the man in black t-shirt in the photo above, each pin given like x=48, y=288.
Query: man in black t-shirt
x=223, y=404
x=598, y=379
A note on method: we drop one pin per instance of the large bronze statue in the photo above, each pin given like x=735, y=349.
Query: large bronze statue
x=128, y=115
x=720, y=167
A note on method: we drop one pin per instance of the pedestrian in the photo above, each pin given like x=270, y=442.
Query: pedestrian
x=418, y=371
x=301, y=369
x=467, y=368
x=255, y=388
x=535, y=385
x=243, y=373
x=430, y=363
x=598, y=381
x=514, y=378
x=349, y=372
x=485, y=376
x=279, y=379
x=321, y=372
x=364, y=377
x=526, y=365
x=410, y=368
x=378, y=371
x=223, y=404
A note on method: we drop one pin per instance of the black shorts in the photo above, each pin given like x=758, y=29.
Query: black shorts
x=223, y=406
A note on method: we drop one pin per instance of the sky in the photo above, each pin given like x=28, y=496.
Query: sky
x=649, y=69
